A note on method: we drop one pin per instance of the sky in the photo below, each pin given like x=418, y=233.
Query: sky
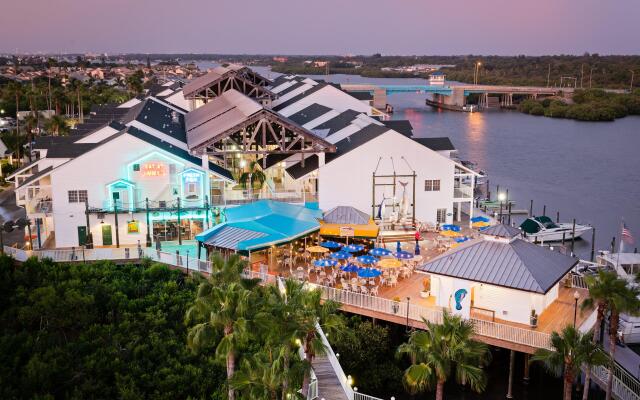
x=392, y=27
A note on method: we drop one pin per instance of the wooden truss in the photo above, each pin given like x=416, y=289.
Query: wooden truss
x=244, y=80
x=265, y=133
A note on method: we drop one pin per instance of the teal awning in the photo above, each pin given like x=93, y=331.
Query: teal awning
x=261, y=224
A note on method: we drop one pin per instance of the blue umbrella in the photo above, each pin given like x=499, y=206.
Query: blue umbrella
x=450, y=227
x=368, y=273
x=480, y=219
x=462, y=239
x=340, y=255
x=398, y=248
x=403, y=255
x=331, y=244
x=353, y=248
x=325, y=262
x=379, y=251
x=483, y=228
x=367, y=259
x=417, y=250
x=350, y=268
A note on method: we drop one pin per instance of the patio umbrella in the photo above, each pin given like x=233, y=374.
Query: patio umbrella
x=403, y=255
x=379, y=251
x=453, y=246
x=340, y=255
x=398, y=248
x=450, y=234
x=417, y=249
x=329, y=244
x=317, y=249
x=483, y=228
x=461, y=239
x=350, y=268
x=450, y=227
x=480, y=219
x=353, y=248
x=480, y=224
x=368, y=273
x=367, y=260
x=325, y=262
x=390, y=263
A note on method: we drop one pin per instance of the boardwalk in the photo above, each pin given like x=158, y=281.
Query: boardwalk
x=328, y=383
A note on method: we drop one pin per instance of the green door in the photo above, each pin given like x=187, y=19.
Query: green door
x=82, y=235
x=106, y=235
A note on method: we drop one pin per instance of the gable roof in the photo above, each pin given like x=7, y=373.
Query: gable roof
x=346, y=215
x=309, y=113
x=161, y=118
x=299, y=97
x=436, y=143
x=502, y=230
x=401, y=126
x=218, y=115
x=36, y=176
x=338, y=122
x=515, y=264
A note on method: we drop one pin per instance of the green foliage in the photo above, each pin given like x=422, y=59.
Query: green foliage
x=368, y=356
x=98, y=331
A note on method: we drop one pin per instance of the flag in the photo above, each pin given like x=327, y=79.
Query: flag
x=626, y=237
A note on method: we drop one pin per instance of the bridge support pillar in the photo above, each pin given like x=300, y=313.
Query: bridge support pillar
x=512, y=360
x=526, y=369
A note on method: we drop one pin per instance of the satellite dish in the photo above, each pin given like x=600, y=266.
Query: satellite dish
x=8, y=226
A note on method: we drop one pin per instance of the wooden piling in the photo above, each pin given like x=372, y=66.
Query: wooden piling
x=573, y=236
x=557, y=216
x=526, y=369
x=531, y=208
x=593, y=243
x=512, y=359
x=544, y=209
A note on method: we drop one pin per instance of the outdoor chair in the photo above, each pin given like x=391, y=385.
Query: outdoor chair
x=364, y=290
x=374, y=291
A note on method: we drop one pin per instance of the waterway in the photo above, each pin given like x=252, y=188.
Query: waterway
x=589, y=171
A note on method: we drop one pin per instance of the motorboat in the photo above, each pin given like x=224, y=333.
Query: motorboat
x=543, y=229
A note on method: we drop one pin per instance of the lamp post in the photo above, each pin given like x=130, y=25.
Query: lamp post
x=476, y=72
x=576, y=296
x=501, y=198
x=408, y=300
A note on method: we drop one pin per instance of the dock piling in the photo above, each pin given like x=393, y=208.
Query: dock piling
x=573, y=236
x=593, y=243
x=557, y=216
x=544, y=210
x=512, y=359
x=531, y=208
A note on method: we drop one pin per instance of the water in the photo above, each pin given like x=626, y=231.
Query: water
x=589, y=171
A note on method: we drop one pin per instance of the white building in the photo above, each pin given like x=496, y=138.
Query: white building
x=437, y=78
x=499, y=276
x=190, y=143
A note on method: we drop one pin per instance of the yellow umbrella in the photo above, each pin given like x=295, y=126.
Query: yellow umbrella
x=389, y=263
x=449, y=234
x=453, y=246
x=317, y=249
x=480, y=224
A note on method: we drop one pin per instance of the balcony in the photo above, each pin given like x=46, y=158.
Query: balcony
x=463, y=192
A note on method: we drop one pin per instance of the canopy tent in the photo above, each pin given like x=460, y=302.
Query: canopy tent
x=350, y=218
x=259, y=225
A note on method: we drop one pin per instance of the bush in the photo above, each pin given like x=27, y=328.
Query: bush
x=538, y=109
x=527, y=105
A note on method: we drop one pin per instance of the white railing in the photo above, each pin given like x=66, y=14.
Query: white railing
x=360, y=396
x=624, y=386
x=335, y=364
x=577, y=281
x=312, y=393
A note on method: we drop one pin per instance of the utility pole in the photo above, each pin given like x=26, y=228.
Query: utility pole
x=631, y=85
x=548, y=74
x=582, y=76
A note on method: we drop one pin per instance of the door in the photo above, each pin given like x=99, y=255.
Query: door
x=106, y=235
x=82, y=235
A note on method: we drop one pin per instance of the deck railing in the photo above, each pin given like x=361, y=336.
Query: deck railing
x=624, y=387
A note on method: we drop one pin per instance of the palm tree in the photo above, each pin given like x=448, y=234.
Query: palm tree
x=592, y=356
x=253, y=177
x=225, y=309
x=307, y=312
x=442, y=350
x=601, y=288
x=57, y=125
x=571, y=349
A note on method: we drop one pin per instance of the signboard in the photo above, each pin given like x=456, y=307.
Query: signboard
x=133, y=227
x=347, y=231
x=153, y=169
x=460, y=300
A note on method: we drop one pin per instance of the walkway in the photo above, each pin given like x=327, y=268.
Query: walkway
x=328, y=383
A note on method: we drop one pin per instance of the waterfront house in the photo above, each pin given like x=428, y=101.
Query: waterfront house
x=500, y=277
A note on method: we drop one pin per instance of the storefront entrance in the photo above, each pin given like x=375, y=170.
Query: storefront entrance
x=168, y=230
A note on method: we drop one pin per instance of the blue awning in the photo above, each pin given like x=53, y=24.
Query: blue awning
x=262, y=224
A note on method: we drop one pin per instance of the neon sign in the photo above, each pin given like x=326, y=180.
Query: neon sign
x=191, y=177
x=153, y=169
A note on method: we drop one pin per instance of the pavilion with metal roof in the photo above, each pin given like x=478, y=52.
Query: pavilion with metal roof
x=221, y=79
x=260, y=225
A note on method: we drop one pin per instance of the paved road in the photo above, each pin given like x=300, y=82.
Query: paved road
x=9, y=211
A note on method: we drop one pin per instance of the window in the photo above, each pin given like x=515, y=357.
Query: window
x=432, y=185
x=136, y=167
x=77, y=196
x=441, y=215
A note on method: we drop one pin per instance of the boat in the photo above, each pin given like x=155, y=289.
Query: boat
x=543, y=229
x=470, y=108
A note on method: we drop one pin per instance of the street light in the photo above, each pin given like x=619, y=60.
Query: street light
x=476, y=72
x=576, y=296
x=501, y=197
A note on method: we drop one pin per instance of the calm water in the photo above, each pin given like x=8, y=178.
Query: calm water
x=585, y=170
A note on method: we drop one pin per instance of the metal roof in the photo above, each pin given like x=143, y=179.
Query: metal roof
x=338, y=122
x=514, y=263
x=309, y=113
x=228, y=237
x=209, y=78
x=436, y=143
x=218, y=115
x=502, y=230
x=346, y=215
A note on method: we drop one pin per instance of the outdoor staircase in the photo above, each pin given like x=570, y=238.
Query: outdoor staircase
x=329, y=386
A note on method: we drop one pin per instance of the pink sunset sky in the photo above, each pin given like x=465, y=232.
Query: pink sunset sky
x=502, y=27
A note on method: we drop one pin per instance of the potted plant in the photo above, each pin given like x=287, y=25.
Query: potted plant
x=533, y=320
x=426, y=287
x=396, y=304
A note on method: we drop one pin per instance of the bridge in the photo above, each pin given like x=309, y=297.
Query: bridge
x=454, y=96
